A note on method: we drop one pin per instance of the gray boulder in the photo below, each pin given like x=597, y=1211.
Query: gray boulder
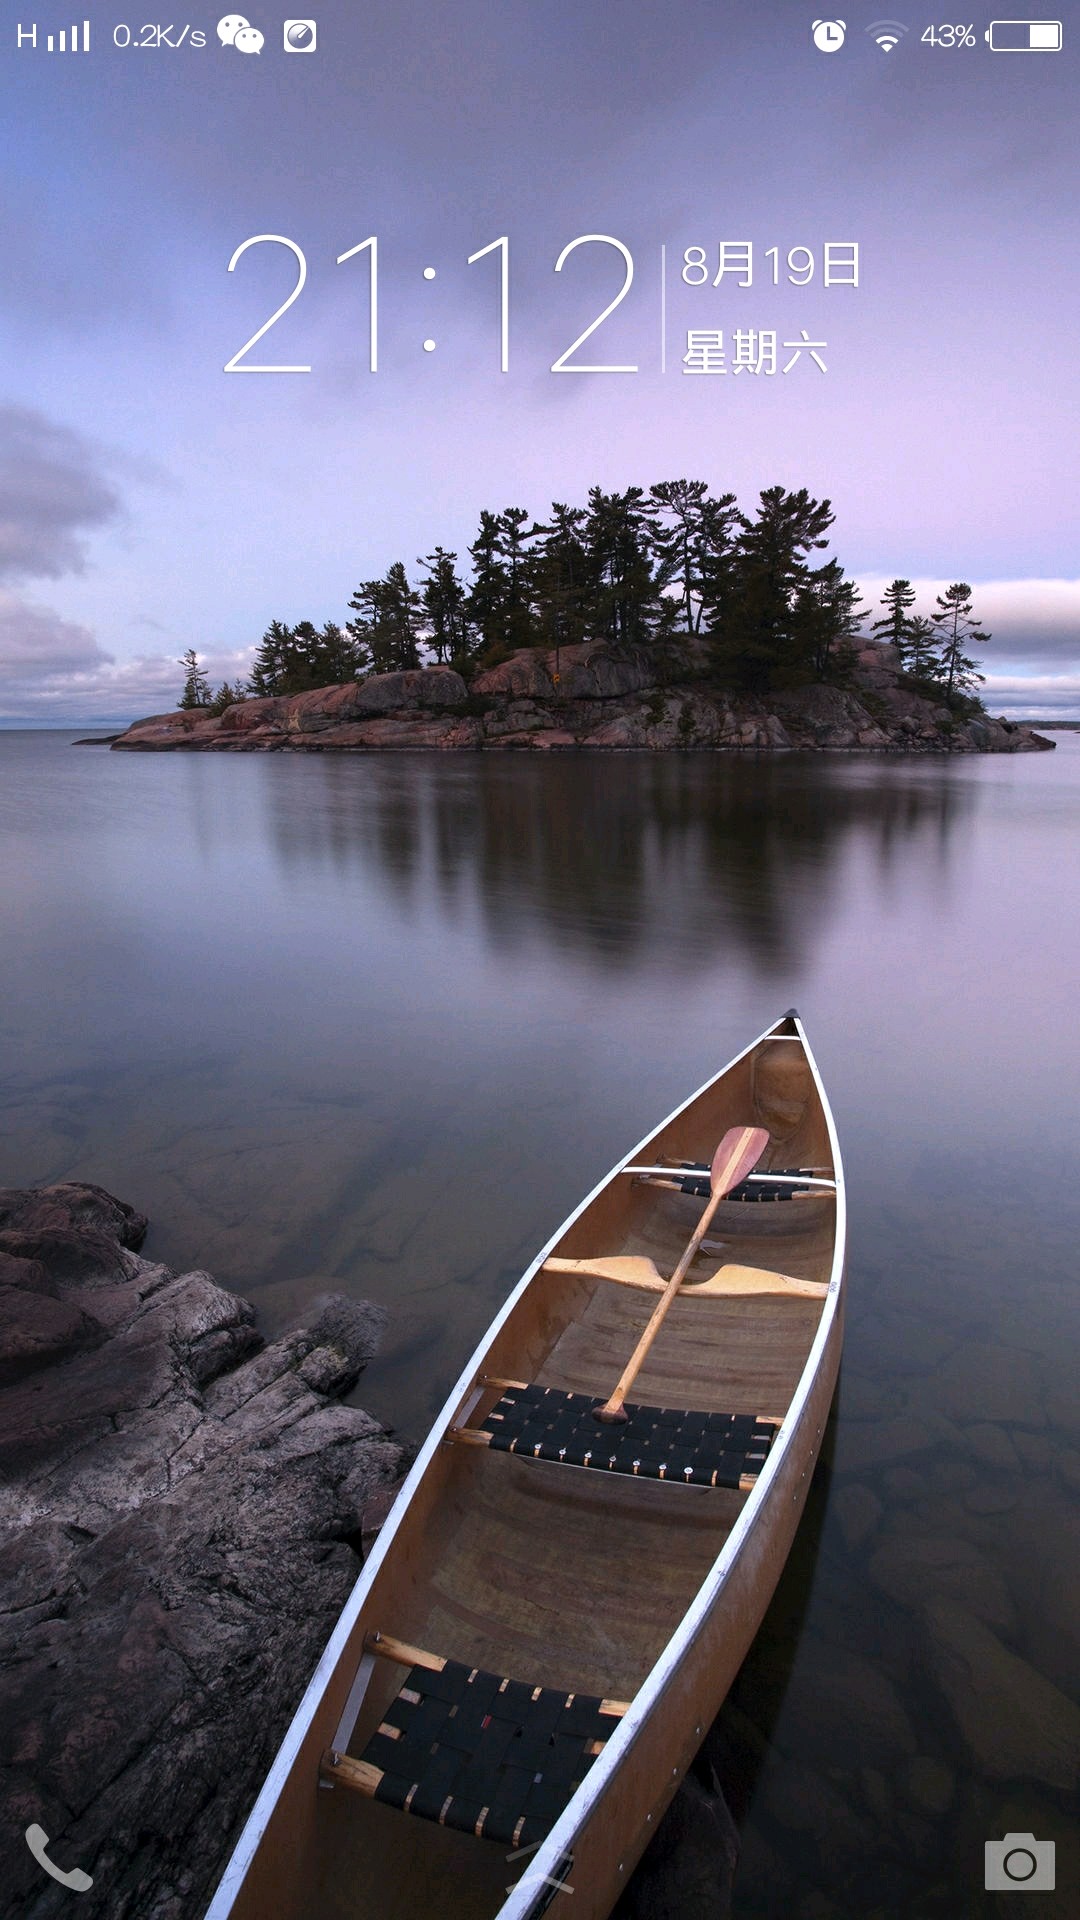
x=177, y=1508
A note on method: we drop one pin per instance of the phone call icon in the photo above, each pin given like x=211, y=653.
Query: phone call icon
x=76, y=1881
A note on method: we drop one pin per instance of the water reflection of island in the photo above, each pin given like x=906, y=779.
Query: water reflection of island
x=621, y=860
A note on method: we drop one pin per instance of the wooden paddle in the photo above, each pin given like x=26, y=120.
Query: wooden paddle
x=740, y=1149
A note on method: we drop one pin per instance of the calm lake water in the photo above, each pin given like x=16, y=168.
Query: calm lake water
x=377, y=1023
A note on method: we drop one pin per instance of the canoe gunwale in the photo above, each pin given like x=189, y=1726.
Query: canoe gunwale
x=547, y=1858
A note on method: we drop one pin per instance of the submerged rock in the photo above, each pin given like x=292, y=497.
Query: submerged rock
x=1014, y=1721
x=176, y=1503
x=839, y=1702
x=928, y=1784
x=589, y=695
x=689, y=1866
x=992, y=1445
x=868, y=1444
x=981, y=1378
x=915, y=1568
x=857, y=1510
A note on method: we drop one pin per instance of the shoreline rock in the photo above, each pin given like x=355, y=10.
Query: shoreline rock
x=180, y=1508
x=177, y=1506
x=600, y=697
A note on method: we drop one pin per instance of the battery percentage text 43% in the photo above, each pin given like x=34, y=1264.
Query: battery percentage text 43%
x=949, y=36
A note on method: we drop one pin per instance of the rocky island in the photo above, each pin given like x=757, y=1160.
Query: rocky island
x=592, y=695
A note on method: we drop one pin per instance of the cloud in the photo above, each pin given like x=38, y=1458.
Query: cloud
x=1030, y=620
x=54, y=670
x=36, y=645
x=52, y=492
x=1046, y=696
x=1032, y=664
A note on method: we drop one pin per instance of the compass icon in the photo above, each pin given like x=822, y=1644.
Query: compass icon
x=829, y=35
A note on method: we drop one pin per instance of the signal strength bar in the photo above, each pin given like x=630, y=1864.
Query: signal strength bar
x=68, y=42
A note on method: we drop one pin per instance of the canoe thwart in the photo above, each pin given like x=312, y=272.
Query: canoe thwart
x=778, y=1183
x=479, y=1752
x=654, y=1443
x=637, y=1270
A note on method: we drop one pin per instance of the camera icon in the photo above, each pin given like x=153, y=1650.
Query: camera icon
x=300, y=36
x=1019, y=1861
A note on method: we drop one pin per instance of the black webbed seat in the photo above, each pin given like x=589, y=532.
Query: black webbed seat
x=481, y=1753
x=658, y=1443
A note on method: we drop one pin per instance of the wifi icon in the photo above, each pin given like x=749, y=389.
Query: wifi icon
x=887, y=33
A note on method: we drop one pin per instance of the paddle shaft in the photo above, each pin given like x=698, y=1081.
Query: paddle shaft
x=740, y=1149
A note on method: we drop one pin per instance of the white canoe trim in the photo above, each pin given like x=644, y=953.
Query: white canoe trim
x=685, y=1172
x=521, y=1901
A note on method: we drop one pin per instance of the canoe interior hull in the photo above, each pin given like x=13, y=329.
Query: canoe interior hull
x=581, y=1579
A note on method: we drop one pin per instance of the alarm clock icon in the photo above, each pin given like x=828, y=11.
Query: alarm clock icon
x=829, y=35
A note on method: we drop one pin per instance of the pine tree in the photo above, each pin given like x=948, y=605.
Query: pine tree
x=895, y=627
x=271, y=662
x=487, y=598
x=760, y=643
x=519, y=622
x=826, y=618
x=224, y=697
x=634, y=568
x=717, y=565
x=402, y=613
x=690, y=534
x=560, y=577
x=920, y=657
x=359, y=630
x=335, y=656
x=955, y=628
x=196, y=685
x=624, y=597
x=442, y=599
x=369, y=631
x=387, y=627
x=302, y=659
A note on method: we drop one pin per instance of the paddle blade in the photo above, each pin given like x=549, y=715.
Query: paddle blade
x=737, y=1155
x=632, y=1268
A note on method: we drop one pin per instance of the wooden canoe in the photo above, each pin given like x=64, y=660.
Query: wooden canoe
x=578, y=1618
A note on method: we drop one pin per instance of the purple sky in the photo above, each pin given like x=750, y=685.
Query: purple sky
x=149, y=502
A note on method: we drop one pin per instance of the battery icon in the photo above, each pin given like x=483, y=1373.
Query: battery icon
x=1024, y=36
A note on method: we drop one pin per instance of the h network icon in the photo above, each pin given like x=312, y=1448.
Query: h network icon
x=73, y=39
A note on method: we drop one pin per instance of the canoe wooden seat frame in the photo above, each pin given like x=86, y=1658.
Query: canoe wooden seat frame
x=472, y=1750
x=779, y=1183
x=654, y=1443
x=730, y=1280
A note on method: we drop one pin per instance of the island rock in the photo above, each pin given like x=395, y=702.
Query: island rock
x=592, y=695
